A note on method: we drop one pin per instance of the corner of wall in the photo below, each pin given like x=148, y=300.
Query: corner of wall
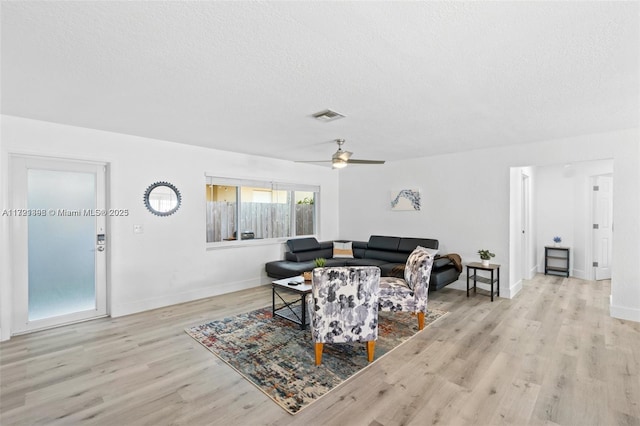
x=513, y=290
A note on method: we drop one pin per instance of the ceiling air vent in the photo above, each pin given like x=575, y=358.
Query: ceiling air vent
x=327, y=115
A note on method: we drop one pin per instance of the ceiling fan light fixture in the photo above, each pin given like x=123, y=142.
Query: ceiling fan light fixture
x=338, y=163
x=327, y=115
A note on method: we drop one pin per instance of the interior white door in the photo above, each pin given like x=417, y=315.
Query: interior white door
x=602, y=226
x=59, y=240
x=524, y=224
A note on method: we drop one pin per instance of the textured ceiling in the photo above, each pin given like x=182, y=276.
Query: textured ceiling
x=413, y=78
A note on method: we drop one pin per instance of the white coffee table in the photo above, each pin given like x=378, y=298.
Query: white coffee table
x=295, y=311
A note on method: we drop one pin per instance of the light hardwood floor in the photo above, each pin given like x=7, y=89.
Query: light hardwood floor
x=550, y=356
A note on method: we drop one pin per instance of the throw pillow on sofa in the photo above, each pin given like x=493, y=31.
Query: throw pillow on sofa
x=343, y=250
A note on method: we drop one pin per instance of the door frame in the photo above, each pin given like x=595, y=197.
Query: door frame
x=19, y=243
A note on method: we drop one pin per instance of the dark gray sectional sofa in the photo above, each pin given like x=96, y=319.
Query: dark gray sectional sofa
x=385, y=252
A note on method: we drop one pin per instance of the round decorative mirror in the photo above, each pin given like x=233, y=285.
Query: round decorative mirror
x=162, y=198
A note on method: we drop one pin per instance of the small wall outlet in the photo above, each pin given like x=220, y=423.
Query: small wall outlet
x=137, y=229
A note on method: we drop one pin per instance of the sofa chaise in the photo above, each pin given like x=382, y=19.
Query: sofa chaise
x=388, y=253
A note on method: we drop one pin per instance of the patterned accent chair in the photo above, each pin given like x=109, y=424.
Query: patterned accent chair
x=343, y=307
x=409, y=294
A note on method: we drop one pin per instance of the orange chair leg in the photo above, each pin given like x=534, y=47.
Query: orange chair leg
x=420, y=320
x=371, y=350
x=319, y=347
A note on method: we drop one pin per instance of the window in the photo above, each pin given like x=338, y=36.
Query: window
x=243, y=210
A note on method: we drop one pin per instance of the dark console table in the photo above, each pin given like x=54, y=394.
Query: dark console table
x=493, y=276
x=556, y=260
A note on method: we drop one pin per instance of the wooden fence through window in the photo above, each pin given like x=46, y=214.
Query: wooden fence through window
x=264, y=220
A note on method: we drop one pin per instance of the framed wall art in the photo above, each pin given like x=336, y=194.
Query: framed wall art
x=405, y=200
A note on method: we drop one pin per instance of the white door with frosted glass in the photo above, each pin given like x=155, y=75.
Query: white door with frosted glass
x=60, y=243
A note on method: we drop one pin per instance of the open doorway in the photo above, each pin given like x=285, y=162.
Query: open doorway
x=559, y=201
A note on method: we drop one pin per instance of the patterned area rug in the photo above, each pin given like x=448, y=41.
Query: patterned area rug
x=278, y=358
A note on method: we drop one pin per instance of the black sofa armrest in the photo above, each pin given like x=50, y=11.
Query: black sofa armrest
x=303, y=244
x=440, y=262
x=304, y=256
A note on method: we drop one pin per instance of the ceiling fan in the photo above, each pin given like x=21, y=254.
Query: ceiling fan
x=341, y=158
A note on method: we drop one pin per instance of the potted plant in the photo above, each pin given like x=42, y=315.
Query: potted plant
x=556, y=240
x=320, y=262
x=485, y=255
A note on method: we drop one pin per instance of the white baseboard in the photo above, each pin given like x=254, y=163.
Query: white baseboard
x=514, y=289
x=624, y=313
x=578, y=273
x=176, y=298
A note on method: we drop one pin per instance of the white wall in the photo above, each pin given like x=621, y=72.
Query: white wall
x=168, y=263
x=564, y=209
x=466, y=200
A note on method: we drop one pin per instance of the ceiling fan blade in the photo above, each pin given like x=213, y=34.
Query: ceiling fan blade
x=365, y=161
x=341, y=158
